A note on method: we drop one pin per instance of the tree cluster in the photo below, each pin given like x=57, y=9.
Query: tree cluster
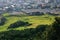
x=27, y=34
x=41, y=32
x=19, y=23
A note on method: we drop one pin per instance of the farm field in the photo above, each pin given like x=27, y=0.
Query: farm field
x=34, y=20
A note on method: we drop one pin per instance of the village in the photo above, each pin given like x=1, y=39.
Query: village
x=29, y=6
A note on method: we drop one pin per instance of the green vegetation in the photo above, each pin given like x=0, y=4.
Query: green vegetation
x=34, y=20
x=41, y=32
x=52, y=32
x=45, y=27
x=19, y=23
x=27, y=34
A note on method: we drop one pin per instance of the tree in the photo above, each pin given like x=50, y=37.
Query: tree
x=56, y=26
x=54, y=33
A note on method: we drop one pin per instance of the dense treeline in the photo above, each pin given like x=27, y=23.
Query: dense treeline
x=27, y=34
x=41, y=32
x=52, y=32
x=55, y=32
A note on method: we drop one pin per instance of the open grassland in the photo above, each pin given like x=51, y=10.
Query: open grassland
x=35, y=20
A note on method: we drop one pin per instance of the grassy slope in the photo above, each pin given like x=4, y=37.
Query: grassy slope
x=35, y=20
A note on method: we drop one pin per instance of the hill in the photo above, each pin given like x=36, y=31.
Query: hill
x=34, y=20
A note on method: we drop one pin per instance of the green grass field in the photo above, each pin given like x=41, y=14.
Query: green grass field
x=35, y=20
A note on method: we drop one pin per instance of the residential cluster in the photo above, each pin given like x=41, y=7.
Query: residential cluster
x=19, y=5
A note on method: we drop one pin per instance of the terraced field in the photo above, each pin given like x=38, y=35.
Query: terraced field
x=34, y=20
